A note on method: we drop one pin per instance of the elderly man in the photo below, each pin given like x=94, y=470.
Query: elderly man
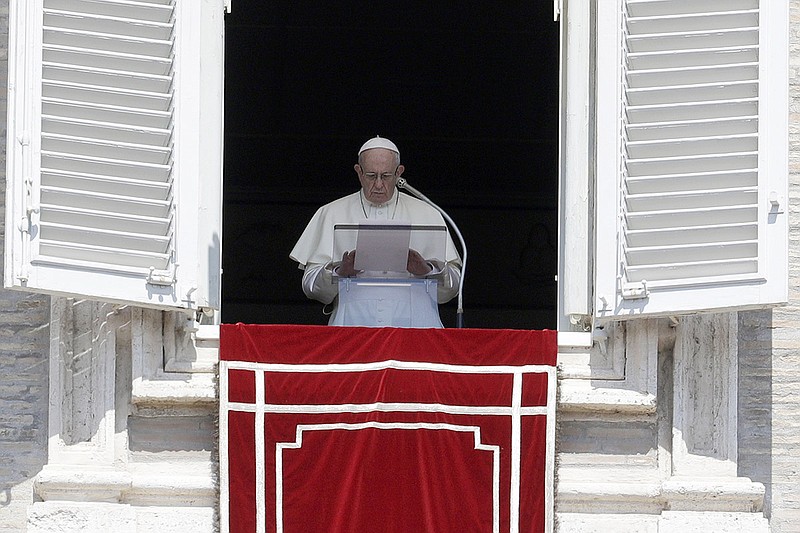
x=378, y=169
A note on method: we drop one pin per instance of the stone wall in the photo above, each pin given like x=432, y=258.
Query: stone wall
x=591, y=442
x=24, y=344
x=769, y=355
x=24, y=347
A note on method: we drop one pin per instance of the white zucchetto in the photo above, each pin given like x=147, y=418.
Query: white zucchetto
x=379, y=142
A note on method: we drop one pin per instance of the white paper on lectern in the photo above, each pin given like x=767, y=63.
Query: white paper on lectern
x=382, y=246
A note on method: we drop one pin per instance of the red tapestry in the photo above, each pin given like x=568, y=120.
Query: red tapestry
x=334, y=429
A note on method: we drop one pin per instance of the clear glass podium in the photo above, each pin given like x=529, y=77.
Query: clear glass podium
x=384, y=293
x=399, y=303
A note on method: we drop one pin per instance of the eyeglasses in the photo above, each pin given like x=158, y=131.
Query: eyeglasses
x=386, y=176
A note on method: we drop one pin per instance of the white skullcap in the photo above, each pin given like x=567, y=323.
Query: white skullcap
x=379, y=142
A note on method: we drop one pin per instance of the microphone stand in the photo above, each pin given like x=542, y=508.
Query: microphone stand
x=403, y=184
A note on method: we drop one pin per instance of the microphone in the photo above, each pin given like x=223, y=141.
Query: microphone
x=403, y=184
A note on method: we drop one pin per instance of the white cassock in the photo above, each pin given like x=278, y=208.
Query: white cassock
x=314, y=249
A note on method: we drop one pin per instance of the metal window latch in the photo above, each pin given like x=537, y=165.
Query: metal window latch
x=776, y=203
x=635, y=291
x=600, y=338
x=163, y=278
x=558, y=8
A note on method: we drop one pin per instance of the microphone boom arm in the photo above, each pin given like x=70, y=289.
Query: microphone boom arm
x=403, y=184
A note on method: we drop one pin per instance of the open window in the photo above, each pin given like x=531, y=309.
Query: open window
x=673, y=160
x=468, y=92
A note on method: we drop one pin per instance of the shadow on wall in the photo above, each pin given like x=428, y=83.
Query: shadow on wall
x=755, y=399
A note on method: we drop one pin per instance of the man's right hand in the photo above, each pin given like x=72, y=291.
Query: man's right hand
x=347, y=268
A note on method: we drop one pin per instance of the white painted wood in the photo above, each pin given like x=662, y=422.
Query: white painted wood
x=115, y=136
x=576, y=171
x=692, y=171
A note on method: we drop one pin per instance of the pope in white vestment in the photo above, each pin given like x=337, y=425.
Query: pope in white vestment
x=379, y=199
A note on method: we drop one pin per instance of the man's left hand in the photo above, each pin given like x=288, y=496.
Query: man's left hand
x=417, y=264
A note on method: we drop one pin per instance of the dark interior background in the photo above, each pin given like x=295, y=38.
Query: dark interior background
x=467, y=90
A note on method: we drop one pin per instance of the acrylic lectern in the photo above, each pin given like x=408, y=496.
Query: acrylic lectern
x=384, y=293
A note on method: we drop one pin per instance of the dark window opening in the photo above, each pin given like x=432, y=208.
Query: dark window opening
x=467, y=90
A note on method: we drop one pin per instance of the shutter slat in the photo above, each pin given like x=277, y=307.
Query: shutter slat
x=107, y=203
x=150, y=10
x=695, y=252
x=77, y=20
x=103, y=254
x=75, y=73
x=690, y=146
x=106, y=95
x=125, y=133
x=696, y=57
x=691, y=200
x=690, y=22
x=106, y=184
x=692, y=110
x=108, y=42
x=105, y=166
x=107, y=60
x=110, y=221
x=130, y=116
x=692, y=181
x=652, y=8
x=106, y=239
x=110, y=149
x=686, y=164
x=694, y=75
x=693, y=128
x=687, y=218
x=693, y=40
x=692, y=235
x=684, y=271
x=733, y=90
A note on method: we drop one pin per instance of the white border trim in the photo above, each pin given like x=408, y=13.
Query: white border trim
x=390, y=363
x=476, y=431
x=261, y=409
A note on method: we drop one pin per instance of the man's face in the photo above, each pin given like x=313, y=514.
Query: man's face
x=378, y=173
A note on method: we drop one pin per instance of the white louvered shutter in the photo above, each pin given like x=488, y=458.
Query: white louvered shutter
x=113, y=193
x=692, y=168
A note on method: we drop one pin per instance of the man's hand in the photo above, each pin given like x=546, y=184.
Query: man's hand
x=417, y=264
x=347, y=268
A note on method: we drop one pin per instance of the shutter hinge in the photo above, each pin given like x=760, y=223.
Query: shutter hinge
x=162, y=277
x=30, y=207
x=635, y=291
x=228, y=4
x=600, y=338
x=26, y=221
x=557, y=9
